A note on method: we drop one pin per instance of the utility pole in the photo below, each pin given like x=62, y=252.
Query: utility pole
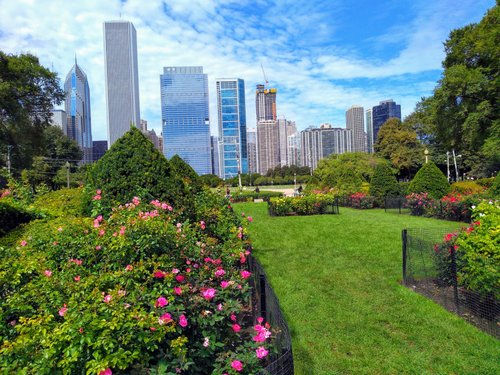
x=448, y=164
x=67, y=173
x=9, y=147
x=455, y=162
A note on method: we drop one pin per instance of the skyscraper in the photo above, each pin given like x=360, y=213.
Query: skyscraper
x=252, y=151
x=265, y=103
x=214, y=149
x=369, y=131
x=122, y=78
x=355, y=123
x=383, y=112
x=185, y=116
x=77, y=106
x=268, y=141
x=232, y=126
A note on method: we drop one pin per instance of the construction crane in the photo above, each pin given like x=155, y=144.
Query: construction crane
x=264, y=74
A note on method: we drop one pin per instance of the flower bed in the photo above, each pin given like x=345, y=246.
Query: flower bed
x=314, y=204
x=250, y=196
x=140, y=291
x=358, y=200
x=454, y=207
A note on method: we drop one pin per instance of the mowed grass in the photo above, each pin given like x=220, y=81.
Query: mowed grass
x=338, y=281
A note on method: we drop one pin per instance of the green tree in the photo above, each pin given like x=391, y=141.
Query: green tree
x=398, y=143
x=464, y=107
x=429, y=179
x=28, y=92
x=347, y=173
x=383, y=183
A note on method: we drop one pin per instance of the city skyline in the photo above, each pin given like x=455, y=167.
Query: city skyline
x=322, y=58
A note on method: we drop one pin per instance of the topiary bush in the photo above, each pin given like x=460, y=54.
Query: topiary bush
x=134, y=167
x=12, y=215
x=429, y=179
x=383, y=183
x=192, y=181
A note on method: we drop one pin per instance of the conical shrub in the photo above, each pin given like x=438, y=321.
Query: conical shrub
x=383, y=183
x=429, y=179
x=188, y=175
x=134, y=167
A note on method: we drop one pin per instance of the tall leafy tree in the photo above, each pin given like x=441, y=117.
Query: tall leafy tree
x=28, y=92
x=464, y=108
x=398, y=143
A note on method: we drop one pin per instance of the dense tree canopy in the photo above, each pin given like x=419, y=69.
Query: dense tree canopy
x=398, y=143
x=28, y=92
x=347, y=173
x=463, y=112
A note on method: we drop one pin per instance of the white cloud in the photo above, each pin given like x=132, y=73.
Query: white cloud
x=300, y=49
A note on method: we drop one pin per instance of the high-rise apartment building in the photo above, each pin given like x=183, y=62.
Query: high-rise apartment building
x=293, y=149
x=265, y=103
x=383, y=112
x=185, y=116
x=356, y=124
x=232, y=126
x=77, y=108
x=318, y=143
x=252, y=151
x=286, y=129
x=268, y=145
x=369, y=131
x=122, y=78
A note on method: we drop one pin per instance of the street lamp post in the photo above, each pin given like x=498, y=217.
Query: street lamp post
x=448, y=164
x=426, y=153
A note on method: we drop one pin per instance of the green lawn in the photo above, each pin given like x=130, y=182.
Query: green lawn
x=337, y=278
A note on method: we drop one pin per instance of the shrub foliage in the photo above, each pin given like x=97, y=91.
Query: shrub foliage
x=383, y=183
x=429, y=179
x=133, y=166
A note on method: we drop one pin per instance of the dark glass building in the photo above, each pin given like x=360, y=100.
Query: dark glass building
x=383, y=112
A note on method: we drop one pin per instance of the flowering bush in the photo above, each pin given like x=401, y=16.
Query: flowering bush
x=418, y=203
x=360, y=201
x=478, y=264
x=477, y=249
x=142, y=291
x=313, y=204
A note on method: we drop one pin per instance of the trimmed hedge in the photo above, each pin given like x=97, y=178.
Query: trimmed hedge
x=249, y=196
x=188, y=175
x=383, y=183
x=12, y=216
x=429, y=179
x=64, y=202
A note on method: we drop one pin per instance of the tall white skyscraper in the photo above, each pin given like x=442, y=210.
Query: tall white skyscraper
x=356, y=124
x=122, y=78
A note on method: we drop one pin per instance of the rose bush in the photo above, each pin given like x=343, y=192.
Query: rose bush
x=142, y=291
x=312, y=204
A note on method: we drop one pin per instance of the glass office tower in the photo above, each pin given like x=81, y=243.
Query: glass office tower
x=77, y=106
x=232, y=126
x=383, y=112
x=185, y=116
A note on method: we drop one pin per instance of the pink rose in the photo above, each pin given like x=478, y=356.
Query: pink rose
x=220, y=272
x=107, y=298
x=261, y=352
x=183, y=321
x=24, y=243
x=63, y=310
x=47, y=273
x=237, y=365
x=165, y=318
x=249, y=219
x=236, y=328
x=161, y=302
x=245, y=274
x=76, y=278
x=106, y=372
x=177, y=290
x=209, y=293
x=129, y=267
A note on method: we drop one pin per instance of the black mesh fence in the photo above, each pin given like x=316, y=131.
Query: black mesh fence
x=266, y=305
x=396, y=205
x=430, y=268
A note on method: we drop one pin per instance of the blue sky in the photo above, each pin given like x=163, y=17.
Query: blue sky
x=322, y=56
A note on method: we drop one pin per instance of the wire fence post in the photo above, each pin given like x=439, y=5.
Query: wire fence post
x=404, y=237
x=454, y=277
x=262, y=282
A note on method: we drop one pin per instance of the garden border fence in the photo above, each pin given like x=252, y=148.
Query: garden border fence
x=266, y=305
x=428, y=272
x=396, y=205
